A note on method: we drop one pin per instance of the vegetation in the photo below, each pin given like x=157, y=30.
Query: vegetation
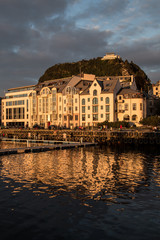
x=114, y=124
x=98, y=67
x=151, y=121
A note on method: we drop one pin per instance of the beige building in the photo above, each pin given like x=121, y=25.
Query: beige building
x=75, y=101
x=97, y=102
x=156, y=89
x=15, y=107
x=131, y=105
x=110, y=56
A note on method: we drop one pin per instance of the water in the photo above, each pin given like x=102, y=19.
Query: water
x=85, y=193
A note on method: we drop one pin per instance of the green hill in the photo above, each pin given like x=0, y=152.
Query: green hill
x=98, y=67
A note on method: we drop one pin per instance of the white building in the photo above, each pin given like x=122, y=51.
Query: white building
x=110, y=56
x=15, y=106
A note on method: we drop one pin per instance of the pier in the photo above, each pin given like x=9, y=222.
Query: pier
x=47, y=146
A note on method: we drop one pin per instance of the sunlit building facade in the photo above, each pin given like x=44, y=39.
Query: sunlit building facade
x=15, y=107
x=75, y=101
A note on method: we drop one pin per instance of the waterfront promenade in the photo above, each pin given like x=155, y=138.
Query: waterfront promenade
x=130, y=136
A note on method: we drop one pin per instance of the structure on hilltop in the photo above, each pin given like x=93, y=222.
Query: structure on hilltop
x=110, y=56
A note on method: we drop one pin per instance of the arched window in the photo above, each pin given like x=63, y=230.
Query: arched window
x=83, y=101
x=95, y=101
x=95, y=92
x=126, y=117
x=107, y=100
x=134, y=117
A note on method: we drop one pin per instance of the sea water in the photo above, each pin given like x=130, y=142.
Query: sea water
x=82, y=193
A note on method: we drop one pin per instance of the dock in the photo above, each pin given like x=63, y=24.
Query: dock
x=43, y=148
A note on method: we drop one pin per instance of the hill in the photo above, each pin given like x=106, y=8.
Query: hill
x=98, y=67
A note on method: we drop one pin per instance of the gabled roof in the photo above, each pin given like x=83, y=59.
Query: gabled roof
x=131, y=93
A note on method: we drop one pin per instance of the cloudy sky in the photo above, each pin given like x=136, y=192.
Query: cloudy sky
x=36, y=34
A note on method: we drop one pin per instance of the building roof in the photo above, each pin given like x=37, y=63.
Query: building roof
x=130, y=92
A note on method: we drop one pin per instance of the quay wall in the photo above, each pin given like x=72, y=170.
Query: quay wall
x=110, y=137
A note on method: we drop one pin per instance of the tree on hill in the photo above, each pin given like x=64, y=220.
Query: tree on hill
x=98, y=67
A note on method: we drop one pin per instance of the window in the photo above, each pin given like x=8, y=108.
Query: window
x=120, y=97
x=95, y=117
x=95, y=84
x=107, y=117
x=27, y=105
x=88, y=107
x=65, y=118
x=102, y=107
x=83, y=117
x=126, y=117
x=88, y=115
x=126, y=107
x=60, y=99
x=101, y=98
x=83, y=109
x=95, y=101
x=141, y=106
x=64, y=101
x=107, y=108
x=134, y=106
x=83, y=101
x=64, y=109
x=60, y=116
x=76, y=108
x=134, y=117
x=75, y=100
x=101, y=115
x=95, y=92
x=107, y=100
x=88, y=99
x=59, y=108
x=76, y=117
x=95, y=109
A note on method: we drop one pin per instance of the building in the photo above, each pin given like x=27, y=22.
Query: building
x=110, y=56
x=83, y=100
x=131, y=105
x=97, y=102
x=156, y=89
x=15, y=107
x=56, y=102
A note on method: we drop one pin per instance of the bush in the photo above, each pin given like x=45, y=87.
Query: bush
x=151, y=121
x=114, y=124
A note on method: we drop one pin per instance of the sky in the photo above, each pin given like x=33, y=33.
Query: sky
x=36, y=34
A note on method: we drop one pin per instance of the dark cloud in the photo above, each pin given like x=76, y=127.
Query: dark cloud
x=37, y=34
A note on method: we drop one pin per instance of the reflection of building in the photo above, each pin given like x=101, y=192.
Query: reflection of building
x=87, y=172
x=74, y=101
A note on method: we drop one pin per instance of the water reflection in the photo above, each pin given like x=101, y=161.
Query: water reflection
x=91, y=173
